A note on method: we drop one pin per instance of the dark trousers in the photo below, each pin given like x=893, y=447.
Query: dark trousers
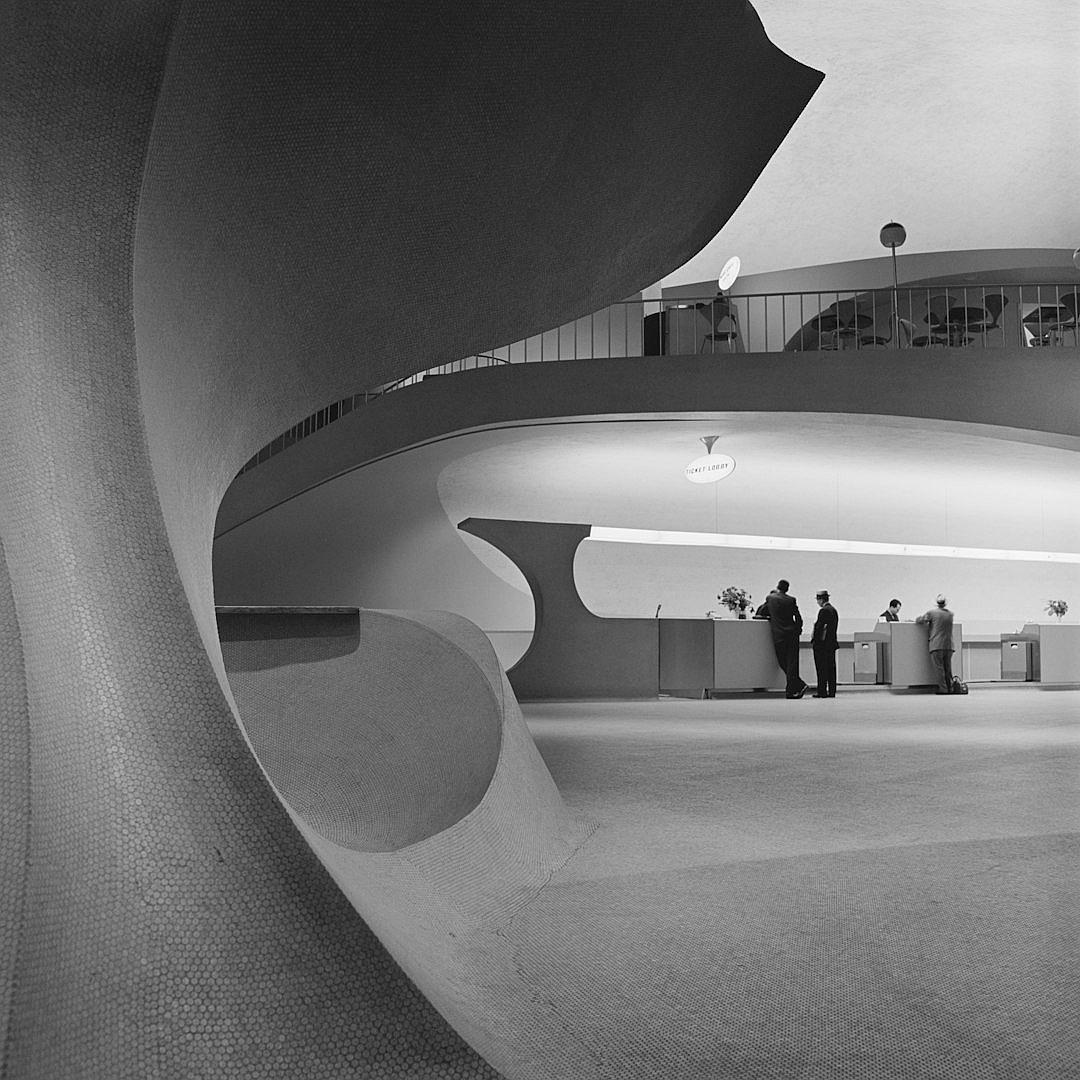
x=825, y=664
x=942, y=661
x=787, y=656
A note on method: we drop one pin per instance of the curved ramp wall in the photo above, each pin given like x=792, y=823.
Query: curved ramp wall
x=433, y=812
x=196, y=254
x=14, y=794
x=371, y=728
x=264, y=293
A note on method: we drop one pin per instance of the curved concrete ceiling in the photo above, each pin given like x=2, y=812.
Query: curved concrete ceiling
x=791, y=469
x=366, y=536
x=958, y=120
x=330, y=203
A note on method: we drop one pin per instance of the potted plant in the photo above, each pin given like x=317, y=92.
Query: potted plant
x=1057, y=607
x=735, y=600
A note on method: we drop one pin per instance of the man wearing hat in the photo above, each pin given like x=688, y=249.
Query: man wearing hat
x=940, y=641
x=825, y=646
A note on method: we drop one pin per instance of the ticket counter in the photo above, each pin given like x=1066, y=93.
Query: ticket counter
x=1055, y=651
x=724, y=654
x=870, y=663
x=898, y=654
x=909, y=653
x=1016, y=659
x=744, y=656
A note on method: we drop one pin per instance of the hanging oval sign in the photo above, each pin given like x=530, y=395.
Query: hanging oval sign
x=711, y=467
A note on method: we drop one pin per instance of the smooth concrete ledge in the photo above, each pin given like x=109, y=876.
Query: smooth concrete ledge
x=1024, y=395
x=271, y=609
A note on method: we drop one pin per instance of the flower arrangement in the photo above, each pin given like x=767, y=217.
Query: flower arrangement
x=1057, y=607
x=734, y=598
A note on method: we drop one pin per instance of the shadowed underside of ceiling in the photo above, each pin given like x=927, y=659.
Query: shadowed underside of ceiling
x=217, y=217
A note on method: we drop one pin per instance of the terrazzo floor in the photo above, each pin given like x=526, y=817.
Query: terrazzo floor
x=880, y=885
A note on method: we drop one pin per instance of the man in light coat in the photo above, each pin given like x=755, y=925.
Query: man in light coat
x=940, y=620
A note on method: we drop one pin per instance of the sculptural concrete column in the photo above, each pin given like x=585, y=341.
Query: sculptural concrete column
x=573, y=653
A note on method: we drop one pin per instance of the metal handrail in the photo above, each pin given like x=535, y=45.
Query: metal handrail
x=1029, y=315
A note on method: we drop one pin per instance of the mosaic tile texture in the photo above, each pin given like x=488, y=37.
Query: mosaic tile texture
x=14, y=793
x=197, y=219
x=440, y=903
x=175, y=924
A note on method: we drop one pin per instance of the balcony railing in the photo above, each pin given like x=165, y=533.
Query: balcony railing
x=922, y=317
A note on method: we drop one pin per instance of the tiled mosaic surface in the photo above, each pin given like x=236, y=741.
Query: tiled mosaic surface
x=442, y=902
x=14, y=793
x=175, y=925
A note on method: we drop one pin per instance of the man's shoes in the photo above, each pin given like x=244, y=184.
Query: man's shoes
x=821, y=695
x=799, y=693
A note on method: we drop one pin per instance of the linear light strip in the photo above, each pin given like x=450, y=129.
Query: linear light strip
x=846, y=547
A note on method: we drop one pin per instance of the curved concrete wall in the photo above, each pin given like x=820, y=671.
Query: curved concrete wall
x=428, y=802
x=289, y=287
x=211, y=213
x=14, y=794
x=373, y=729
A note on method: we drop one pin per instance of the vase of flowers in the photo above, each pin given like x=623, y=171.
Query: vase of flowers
x=1057, y=607
x=735, y=600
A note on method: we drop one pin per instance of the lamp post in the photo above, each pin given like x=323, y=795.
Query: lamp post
x=893, y=235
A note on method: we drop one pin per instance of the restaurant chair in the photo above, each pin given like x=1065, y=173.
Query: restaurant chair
x=1042, y=323
x=1069, y=302
x=995, y=304
x=907, y=333
x=963, y=320
x=937, y=318
x=724, y=328
x=856, y=324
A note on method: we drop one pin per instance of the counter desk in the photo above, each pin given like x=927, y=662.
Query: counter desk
x=738, y=654
x=1055, y=651
x=717, y=654
x=906, y=653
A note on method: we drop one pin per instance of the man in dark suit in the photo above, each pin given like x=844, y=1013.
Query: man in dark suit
x=785, y=622
x=892, y=612
x=825, y=646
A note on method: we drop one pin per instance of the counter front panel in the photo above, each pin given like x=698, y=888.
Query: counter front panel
x=744, y=657
x=909, y=654
x=1056, y=649
x=724, y=654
